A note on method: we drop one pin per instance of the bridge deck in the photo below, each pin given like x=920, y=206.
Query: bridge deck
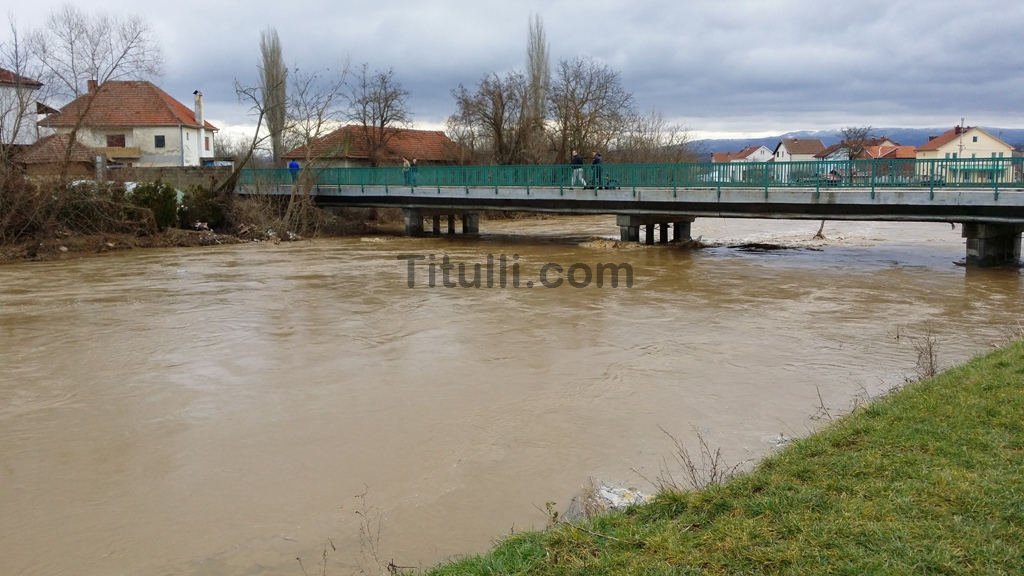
x=957, y=190
x=880, y=203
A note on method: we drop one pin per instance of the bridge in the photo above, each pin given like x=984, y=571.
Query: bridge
x=985, y=195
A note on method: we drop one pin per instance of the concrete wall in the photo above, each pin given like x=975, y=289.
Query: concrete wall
x=180, y=178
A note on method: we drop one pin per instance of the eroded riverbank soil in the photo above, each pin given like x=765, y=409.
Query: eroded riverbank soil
x=77, y=246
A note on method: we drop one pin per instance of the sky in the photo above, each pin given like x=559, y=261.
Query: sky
x=725, y=68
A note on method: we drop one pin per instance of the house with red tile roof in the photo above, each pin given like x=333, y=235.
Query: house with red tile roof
x=47, y=155
x=796, y=149
x=135, y=123
x=890, y=152
x=973, y=148
x=751, y=153
x=349, y=146
x=737, y=172
x=17, y=108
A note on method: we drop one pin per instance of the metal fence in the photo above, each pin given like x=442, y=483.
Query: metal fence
x=994, y=173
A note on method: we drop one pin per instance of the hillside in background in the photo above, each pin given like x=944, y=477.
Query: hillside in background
x=904, y=136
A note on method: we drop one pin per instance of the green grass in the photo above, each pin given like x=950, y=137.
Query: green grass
x=928, y=480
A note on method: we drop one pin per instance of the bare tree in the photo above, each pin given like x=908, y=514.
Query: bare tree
x=855, y=141
x=650, y=138
x=589, y=105
x=497, y=115
x=538, y=84
x=75, y=47
x=314, y=108
x=378, y=105
x=273, y=82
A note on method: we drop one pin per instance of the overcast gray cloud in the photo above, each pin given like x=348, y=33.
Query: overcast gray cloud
x=740, y=66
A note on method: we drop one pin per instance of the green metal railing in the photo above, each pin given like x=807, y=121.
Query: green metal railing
x=991, y=173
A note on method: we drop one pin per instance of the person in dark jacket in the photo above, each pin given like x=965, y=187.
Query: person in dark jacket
x=577, y=169
x=595, y=166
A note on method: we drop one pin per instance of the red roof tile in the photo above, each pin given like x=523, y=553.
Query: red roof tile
x=351, y=142
x=124, y=103
x=53, y=149
x=11, y=79
x=798, y=146
x=951, y=135
x=890, y=152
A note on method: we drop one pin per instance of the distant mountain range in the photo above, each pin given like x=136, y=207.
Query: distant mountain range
x=905, y=136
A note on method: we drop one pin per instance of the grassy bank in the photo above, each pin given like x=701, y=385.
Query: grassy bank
x=929, y=480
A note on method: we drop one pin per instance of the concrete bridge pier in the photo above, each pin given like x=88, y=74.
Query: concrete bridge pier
x=630, y=224
x=682, y=230
x=470, y=223
x=413, y=219
x=990, y=244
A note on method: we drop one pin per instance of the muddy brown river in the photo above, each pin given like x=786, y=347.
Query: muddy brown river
x=228, y=410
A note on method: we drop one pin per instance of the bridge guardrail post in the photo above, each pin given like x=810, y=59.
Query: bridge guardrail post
x=873, y=178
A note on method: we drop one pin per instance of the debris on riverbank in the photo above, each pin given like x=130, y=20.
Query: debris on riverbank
x=79, y=245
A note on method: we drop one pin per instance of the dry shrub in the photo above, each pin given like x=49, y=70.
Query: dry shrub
x=34, y=210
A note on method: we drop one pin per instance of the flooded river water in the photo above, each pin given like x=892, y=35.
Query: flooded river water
x=228, y=410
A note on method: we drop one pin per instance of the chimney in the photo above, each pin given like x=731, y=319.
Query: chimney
x=199, y=109
x=201, y=121
x=91, y=85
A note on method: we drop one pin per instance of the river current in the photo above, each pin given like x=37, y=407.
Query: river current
x=228, y=410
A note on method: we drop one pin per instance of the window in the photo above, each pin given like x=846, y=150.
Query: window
x=115, y=140
x=206, y=143
x=159, y=141
x=974, y=138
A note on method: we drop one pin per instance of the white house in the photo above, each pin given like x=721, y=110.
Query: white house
x=797, y=149
x=737, y=172
x=17, y=108
x=974, y=155
x=135, y=123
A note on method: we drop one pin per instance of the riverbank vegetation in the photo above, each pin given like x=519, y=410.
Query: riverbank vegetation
x=52, y=218
x=927, y=480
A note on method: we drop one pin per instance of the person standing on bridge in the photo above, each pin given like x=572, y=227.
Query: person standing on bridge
x=293, y=167
x=414, y=169
x=405, y=170
x=596, y=167
x=577, y=170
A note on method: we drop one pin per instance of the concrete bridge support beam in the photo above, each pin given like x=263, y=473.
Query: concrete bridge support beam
x=470, y=223
x=629, y=226
x=682, y=230
x=990, y=244
x=451, y=223
x=413, y=218
x=436, y=221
